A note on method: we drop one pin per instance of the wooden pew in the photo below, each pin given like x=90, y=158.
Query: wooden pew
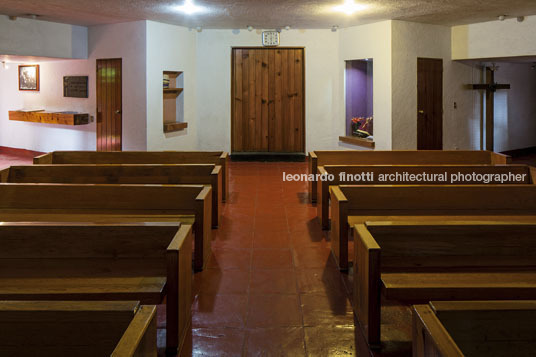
x=142, y=157
x=208, y=174
x=357, y=204
x=414, y=262
x=474, y=328
x=399, y=157
x=104, y=262
x=385, y=175
x=188, y=204
x=70, y=328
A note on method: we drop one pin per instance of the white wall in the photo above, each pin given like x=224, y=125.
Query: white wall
x=461, y=125
x=172, y=48
x=323, y=116
x=25, y=37
x=128, y=42
x=45, y=137
x=494, y=39
x=368, y=41
x=515, y=109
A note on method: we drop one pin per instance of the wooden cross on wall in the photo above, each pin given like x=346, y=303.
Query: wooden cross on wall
x=490, y=87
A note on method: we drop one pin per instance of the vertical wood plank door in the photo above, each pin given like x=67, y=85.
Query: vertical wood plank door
x=109, y=105
x=268, y=100
x=429, y=104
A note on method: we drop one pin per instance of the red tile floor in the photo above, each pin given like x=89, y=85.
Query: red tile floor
x=271, y=287
x=9, y=157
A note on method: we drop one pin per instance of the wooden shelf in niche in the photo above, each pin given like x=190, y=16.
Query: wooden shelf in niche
x=171, y=127
x=354, y=140
x=50, y=118
x=173, y=110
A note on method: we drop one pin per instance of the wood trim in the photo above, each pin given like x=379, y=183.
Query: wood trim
x=352, y=140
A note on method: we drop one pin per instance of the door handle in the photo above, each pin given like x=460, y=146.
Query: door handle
x=117, y=112
x=421, y=111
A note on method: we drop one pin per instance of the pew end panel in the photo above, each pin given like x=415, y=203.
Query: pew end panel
x=224, y=163
x=218, y=195
x=339, y=209
x=367, y=284
x=430, y=338
x=313, y=165
x=179, y=289
x=322, y=199
x=202, y=228
x=140, y=337
x=76, y=328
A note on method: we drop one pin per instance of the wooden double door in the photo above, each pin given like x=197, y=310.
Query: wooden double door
x=267, y=91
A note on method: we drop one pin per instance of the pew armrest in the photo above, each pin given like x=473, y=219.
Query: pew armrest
x=430, y=338
x=339, y=227
x=140, y=337
x=43, y=159
x=367, y=283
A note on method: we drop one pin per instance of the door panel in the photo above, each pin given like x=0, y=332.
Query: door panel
x=109, y=105
x=268, y=100
x=429, y=104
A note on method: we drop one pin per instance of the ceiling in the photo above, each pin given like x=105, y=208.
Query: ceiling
x=267, y=14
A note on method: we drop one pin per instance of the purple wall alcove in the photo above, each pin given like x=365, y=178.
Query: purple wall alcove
x=358, y=91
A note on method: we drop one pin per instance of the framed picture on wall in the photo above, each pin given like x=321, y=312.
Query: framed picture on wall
x=29, y=77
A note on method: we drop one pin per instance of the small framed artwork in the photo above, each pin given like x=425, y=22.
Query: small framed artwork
x=29, y=77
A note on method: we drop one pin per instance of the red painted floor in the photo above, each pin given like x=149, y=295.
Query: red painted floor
x=271, y=287
x=9, y=157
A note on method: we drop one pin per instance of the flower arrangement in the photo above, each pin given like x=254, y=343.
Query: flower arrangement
x=362, y=127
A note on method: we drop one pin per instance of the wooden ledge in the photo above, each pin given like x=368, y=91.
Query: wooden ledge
x=171, y=127
x=354, y=140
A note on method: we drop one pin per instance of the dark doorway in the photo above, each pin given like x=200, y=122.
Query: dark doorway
x=109, y=105
x=429, y=104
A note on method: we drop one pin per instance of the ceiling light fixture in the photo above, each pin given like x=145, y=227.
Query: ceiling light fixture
x=287, y=27
x=520, y=18
x=334, y=28
x=199, y=29
x=189, y=8
x=502, y=17
x=250, y=28
x=349, y=7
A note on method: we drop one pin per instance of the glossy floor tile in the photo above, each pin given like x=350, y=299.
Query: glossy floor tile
x=271, y=287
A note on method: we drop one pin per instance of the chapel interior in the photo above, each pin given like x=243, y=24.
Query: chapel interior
x=268, y=178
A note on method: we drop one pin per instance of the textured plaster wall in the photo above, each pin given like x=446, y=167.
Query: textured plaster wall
x=515, y=109
x=25, y=37
x=494, y=39
x=460, y=124
x=45, y=137
x=172, y=48
x=369, y=41
x=324, y=112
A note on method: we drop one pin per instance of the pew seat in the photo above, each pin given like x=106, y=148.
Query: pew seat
x=71, y=328
x=414, y=262
x=474, y=328
x=146, y=262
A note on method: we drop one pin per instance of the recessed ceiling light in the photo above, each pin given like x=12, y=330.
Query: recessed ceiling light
x=189, y=8
x=250, y=28
x=501, y=17
x=287, y=27
x=349, y=7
